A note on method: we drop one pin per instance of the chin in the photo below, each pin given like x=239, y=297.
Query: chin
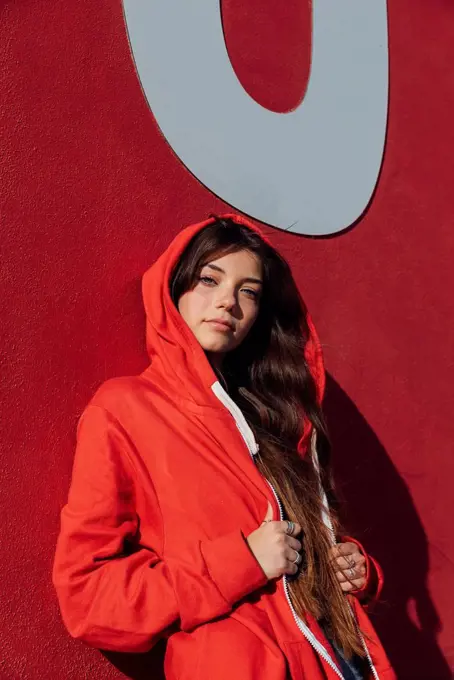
x=215, y=345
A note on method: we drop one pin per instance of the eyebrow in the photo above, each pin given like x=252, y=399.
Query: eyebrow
x=248, y=279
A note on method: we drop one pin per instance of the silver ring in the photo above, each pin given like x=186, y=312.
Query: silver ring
x=352, y=572
x=290, y=527
x=298, y=559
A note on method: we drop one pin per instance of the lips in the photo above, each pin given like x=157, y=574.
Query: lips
x=221, y=324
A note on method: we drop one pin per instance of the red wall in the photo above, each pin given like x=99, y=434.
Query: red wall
x=91, y=194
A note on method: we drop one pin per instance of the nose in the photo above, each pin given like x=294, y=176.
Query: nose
x=226, y=300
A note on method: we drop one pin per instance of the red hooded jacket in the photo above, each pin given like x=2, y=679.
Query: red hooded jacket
x=163, y=493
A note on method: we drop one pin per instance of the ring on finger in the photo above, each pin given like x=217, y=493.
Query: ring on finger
x=290, y=527
x=352, y=572
x=298, y=559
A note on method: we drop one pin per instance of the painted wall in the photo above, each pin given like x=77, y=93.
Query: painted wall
x=91, y=194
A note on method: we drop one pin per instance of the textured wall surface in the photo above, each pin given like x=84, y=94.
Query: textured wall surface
x=91, y=194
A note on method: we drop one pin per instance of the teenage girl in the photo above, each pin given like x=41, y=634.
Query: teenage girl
x=199, y=507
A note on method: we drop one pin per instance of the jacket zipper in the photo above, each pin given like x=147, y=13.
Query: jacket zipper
x=308, y=634
x=253, y=449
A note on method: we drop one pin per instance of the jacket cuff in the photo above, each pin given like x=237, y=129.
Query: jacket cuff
x=232, y=566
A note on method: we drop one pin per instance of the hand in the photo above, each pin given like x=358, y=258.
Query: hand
x=350, y=566
x=273, y=548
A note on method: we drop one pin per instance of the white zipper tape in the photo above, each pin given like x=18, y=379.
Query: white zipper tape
x=238, y=417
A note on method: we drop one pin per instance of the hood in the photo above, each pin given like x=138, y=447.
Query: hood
x=171, y=343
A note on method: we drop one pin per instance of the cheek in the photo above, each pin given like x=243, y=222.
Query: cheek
x=191, y=307
x=250, y=315
x=184, y=307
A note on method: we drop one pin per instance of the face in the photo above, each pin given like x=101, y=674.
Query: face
x=222, y=307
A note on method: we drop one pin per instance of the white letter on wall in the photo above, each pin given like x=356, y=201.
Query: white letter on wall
x=316, y=166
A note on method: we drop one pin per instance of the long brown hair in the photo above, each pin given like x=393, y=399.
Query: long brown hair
x=269, y=378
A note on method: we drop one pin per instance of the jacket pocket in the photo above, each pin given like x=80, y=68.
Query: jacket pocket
x=225, y=649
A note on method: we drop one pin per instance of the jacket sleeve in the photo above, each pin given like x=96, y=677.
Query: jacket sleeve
x=369, y=594
x=125, y=602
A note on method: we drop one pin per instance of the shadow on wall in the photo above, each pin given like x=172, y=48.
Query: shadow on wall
x=381, y=513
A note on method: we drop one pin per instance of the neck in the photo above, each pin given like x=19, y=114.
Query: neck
x=215, y=360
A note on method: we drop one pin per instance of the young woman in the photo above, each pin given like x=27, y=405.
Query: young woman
x=198, y=507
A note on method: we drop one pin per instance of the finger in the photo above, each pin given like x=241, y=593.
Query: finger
x=347, y=548
x=269, y=513
x=293, y=556
x=354, y=572
x=355, y=560
x=348, y=586
x=294, y=543
x=283, y=527
x=347, y=575
x=360, y=565
x=344, y=563
x=291, y=567
x=337, y=558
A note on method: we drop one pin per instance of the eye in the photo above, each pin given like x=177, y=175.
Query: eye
x=251, y=293
x=207, y=280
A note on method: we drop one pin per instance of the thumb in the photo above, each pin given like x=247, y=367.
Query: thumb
x=269, y=513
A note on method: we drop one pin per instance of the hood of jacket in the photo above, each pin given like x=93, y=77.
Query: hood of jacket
x=170, y=341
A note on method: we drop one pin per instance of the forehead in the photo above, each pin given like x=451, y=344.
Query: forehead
x=242, y=262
